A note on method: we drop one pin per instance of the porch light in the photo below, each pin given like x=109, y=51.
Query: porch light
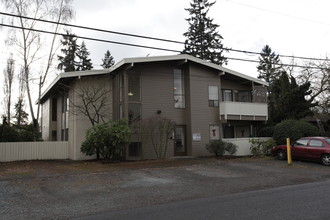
x=130, y=94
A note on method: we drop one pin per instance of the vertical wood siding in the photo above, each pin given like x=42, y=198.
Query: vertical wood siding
x=17, y=151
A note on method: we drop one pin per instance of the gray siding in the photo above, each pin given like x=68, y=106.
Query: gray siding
x=201, y=115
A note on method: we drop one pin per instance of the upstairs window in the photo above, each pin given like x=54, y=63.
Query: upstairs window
x=242, y=96
x=213, y=96
x=227, y=95
x=134, y=87
x=179, y=89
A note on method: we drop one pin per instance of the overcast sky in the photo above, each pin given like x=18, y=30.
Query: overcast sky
x=290, y=27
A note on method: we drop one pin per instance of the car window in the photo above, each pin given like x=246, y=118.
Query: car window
x=316, y=143
x=327, y=140
x=301, y=142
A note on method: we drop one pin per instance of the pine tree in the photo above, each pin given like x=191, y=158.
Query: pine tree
x=84, y=63
x=67, y=62
x=269, y=67
x=108, y=60
x=289, y=99
x=202, y=38
x=20, y=114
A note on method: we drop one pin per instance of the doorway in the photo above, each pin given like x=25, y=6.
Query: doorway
x=180, y=147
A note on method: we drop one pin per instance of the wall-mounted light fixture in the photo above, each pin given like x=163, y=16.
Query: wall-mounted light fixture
x=159, y=112
x=130, y=94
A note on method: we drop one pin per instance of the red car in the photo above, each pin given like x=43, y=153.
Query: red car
x=311, y=148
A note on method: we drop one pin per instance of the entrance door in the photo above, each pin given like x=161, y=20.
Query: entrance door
x=180, y=148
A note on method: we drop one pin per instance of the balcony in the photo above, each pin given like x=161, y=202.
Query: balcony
x=243, y=111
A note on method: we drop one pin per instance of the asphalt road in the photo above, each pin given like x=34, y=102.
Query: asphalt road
x=202, y=188
x=304, y=201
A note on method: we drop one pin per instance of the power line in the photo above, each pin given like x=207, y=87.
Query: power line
x=141, y=46
x=154, y=38
x=279, y=13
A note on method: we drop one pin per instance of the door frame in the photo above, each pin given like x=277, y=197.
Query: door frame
x=184, y=131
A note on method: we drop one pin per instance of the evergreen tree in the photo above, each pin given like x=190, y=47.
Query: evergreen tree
x=108, y=60
x=67, y=62
x=202, y=38
x=84, y=63
x=20, y=114
x=289, y=99
x=269, y=67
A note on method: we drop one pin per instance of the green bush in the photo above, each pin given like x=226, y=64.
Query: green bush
x=261, y=147
x=219, y=148
x=230, y=148
x=294, y=130
x=107, y=140
x=266, y=132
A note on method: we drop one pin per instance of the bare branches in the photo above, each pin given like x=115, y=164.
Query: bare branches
x=8, y=82
x=92, y=101
x=157, y=130
x=319, y=80
x=33, y=47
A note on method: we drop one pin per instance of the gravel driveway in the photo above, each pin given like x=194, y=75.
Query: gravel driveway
x=69, y=189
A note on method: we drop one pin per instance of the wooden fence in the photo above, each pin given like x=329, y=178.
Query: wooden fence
x=16, y=151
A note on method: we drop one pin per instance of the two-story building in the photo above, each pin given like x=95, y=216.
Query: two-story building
x=206, y=101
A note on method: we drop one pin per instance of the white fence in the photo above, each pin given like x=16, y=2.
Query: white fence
x=244, y=144
x=33, y=151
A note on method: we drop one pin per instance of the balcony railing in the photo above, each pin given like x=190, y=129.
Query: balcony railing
x=243, y=109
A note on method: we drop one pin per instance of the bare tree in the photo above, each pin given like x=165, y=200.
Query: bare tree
x=33, y=47
x=8, y=83
x=319, y=78
x=157, y=130
x=92, y=100
x=21, y=116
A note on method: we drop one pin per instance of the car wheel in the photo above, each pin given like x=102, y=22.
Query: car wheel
x=280, y=154
x=325, y=159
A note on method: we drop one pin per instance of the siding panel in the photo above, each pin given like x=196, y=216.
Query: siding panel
x=17, y=151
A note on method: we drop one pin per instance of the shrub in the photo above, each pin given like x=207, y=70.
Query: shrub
x=230, y=148
x=219, y=148
x=294, y=130
x=261, y=147
x=107, y=140
x=266, y=132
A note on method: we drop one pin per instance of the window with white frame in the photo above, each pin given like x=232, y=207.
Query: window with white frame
x=213, y=96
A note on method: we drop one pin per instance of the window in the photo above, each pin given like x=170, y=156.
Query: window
x=242, y=96
x=227, y=95
x=121, y=87
x=54, y=109
x=316, y=143
x=54, y=135
x=135, y=149
x=213, y=96
x=228, y=131
x=179, y=89
x=65, y=118
x=327, y=140
x=134, y=88
x=65, y=103
x=134, y=112
x=301, y=143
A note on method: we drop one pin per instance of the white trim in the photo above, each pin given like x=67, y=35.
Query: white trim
x=131, y=61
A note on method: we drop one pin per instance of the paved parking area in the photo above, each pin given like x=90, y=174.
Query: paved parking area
x=68, y=189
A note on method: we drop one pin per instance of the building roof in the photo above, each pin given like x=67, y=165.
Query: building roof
x=131, y=61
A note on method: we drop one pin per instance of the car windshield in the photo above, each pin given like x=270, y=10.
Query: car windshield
x=327, y=140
